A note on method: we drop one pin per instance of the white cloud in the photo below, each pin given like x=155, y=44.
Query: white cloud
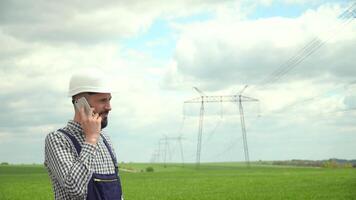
x=73, y=22
x=220, y=53
x=41, y=50
x=93, y=22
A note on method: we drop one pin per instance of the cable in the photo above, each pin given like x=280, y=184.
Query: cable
x=232, y=144
x=218, y=124
x=348, y=15
x=180, y=131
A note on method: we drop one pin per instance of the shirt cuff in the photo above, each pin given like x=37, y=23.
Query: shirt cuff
x=87, y=153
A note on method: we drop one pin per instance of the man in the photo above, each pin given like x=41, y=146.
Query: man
x=79, y=157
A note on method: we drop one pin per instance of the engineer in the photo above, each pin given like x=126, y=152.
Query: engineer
x=79, y=157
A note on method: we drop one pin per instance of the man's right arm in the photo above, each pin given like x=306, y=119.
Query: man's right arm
x=72, y=172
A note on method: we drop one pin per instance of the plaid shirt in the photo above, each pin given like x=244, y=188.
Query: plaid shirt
x=70, y=173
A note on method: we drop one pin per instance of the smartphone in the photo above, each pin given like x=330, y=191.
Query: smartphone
x=82, y=102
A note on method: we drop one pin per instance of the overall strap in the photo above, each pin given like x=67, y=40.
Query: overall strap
x=78, y=148
x=75, y=142
x=111, y=154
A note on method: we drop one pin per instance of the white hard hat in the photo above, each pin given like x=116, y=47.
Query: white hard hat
x=88, y=81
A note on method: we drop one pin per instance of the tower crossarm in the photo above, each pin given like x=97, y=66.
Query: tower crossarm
x=220, y=98
x=245, y=98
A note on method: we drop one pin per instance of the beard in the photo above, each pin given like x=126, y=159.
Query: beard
x=104, y=122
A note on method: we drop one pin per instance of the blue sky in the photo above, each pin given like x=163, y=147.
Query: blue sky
x=160, y=38
x=284, y=9
x=158, y=32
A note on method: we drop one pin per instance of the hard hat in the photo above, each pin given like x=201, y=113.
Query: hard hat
x=88, y=81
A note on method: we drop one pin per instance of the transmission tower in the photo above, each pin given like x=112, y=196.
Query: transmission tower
x=179, y=140
x=155, y=156
x=215, y=99
x=163, y=146
x=166, y=148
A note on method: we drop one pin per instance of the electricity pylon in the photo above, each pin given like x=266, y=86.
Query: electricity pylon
x=221, y=98
x=166, y=149
x=155, y=156
x=179, y=139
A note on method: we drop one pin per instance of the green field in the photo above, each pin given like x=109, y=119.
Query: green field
x=211, y=181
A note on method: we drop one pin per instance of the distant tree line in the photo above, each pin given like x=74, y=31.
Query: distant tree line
x=331, y=163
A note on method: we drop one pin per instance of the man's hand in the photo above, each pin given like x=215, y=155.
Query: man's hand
x=91, y=125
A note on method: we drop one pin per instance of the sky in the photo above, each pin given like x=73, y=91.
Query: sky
x=296, y=56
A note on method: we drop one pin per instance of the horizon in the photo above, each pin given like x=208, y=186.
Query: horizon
x=2, y=163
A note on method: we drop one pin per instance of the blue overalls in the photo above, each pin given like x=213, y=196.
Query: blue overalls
x=101, y=186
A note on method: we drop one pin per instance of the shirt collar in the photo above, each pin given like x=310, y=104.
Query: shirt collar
x=75, y=126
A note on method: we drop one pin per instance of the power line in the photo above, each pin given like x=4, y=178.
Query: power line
x=307, y=100
x=228, y=148
x=218, y=124
x=340, y=111
x=310, y=99
x=347, y=16
x=321, y=114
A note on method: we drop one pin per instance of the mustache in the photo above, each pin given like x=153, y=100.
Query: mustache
x=104, y=113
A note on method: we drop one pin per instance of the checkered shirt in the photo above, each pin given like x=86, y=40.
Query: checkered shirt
x=70, y=173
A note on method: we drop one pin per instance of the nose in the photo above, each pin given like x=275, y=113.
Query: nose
x=108, y=106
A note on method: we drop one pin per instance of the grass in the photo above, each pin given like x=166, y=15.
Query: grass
x=211, y=181
x=24, y=182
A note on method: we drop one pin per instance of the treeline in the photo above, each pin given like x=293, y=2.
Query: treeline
x=331, y=163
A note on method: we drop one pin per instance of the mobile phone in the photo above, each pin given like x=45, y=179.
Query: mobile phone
x=82, y=102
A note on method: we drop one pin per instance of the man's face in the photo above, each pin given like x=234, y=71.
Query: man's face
x=101, y=104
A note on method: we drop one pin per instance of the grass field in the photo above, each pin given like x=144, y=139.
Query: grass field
x=211, y=181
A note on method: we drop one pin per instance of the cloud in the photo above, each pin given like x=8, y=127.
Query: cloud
x=220, y=56
x=67, y=22
x=90, y=22
x=222, y=53
x=45, y=42
x=350, y=96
